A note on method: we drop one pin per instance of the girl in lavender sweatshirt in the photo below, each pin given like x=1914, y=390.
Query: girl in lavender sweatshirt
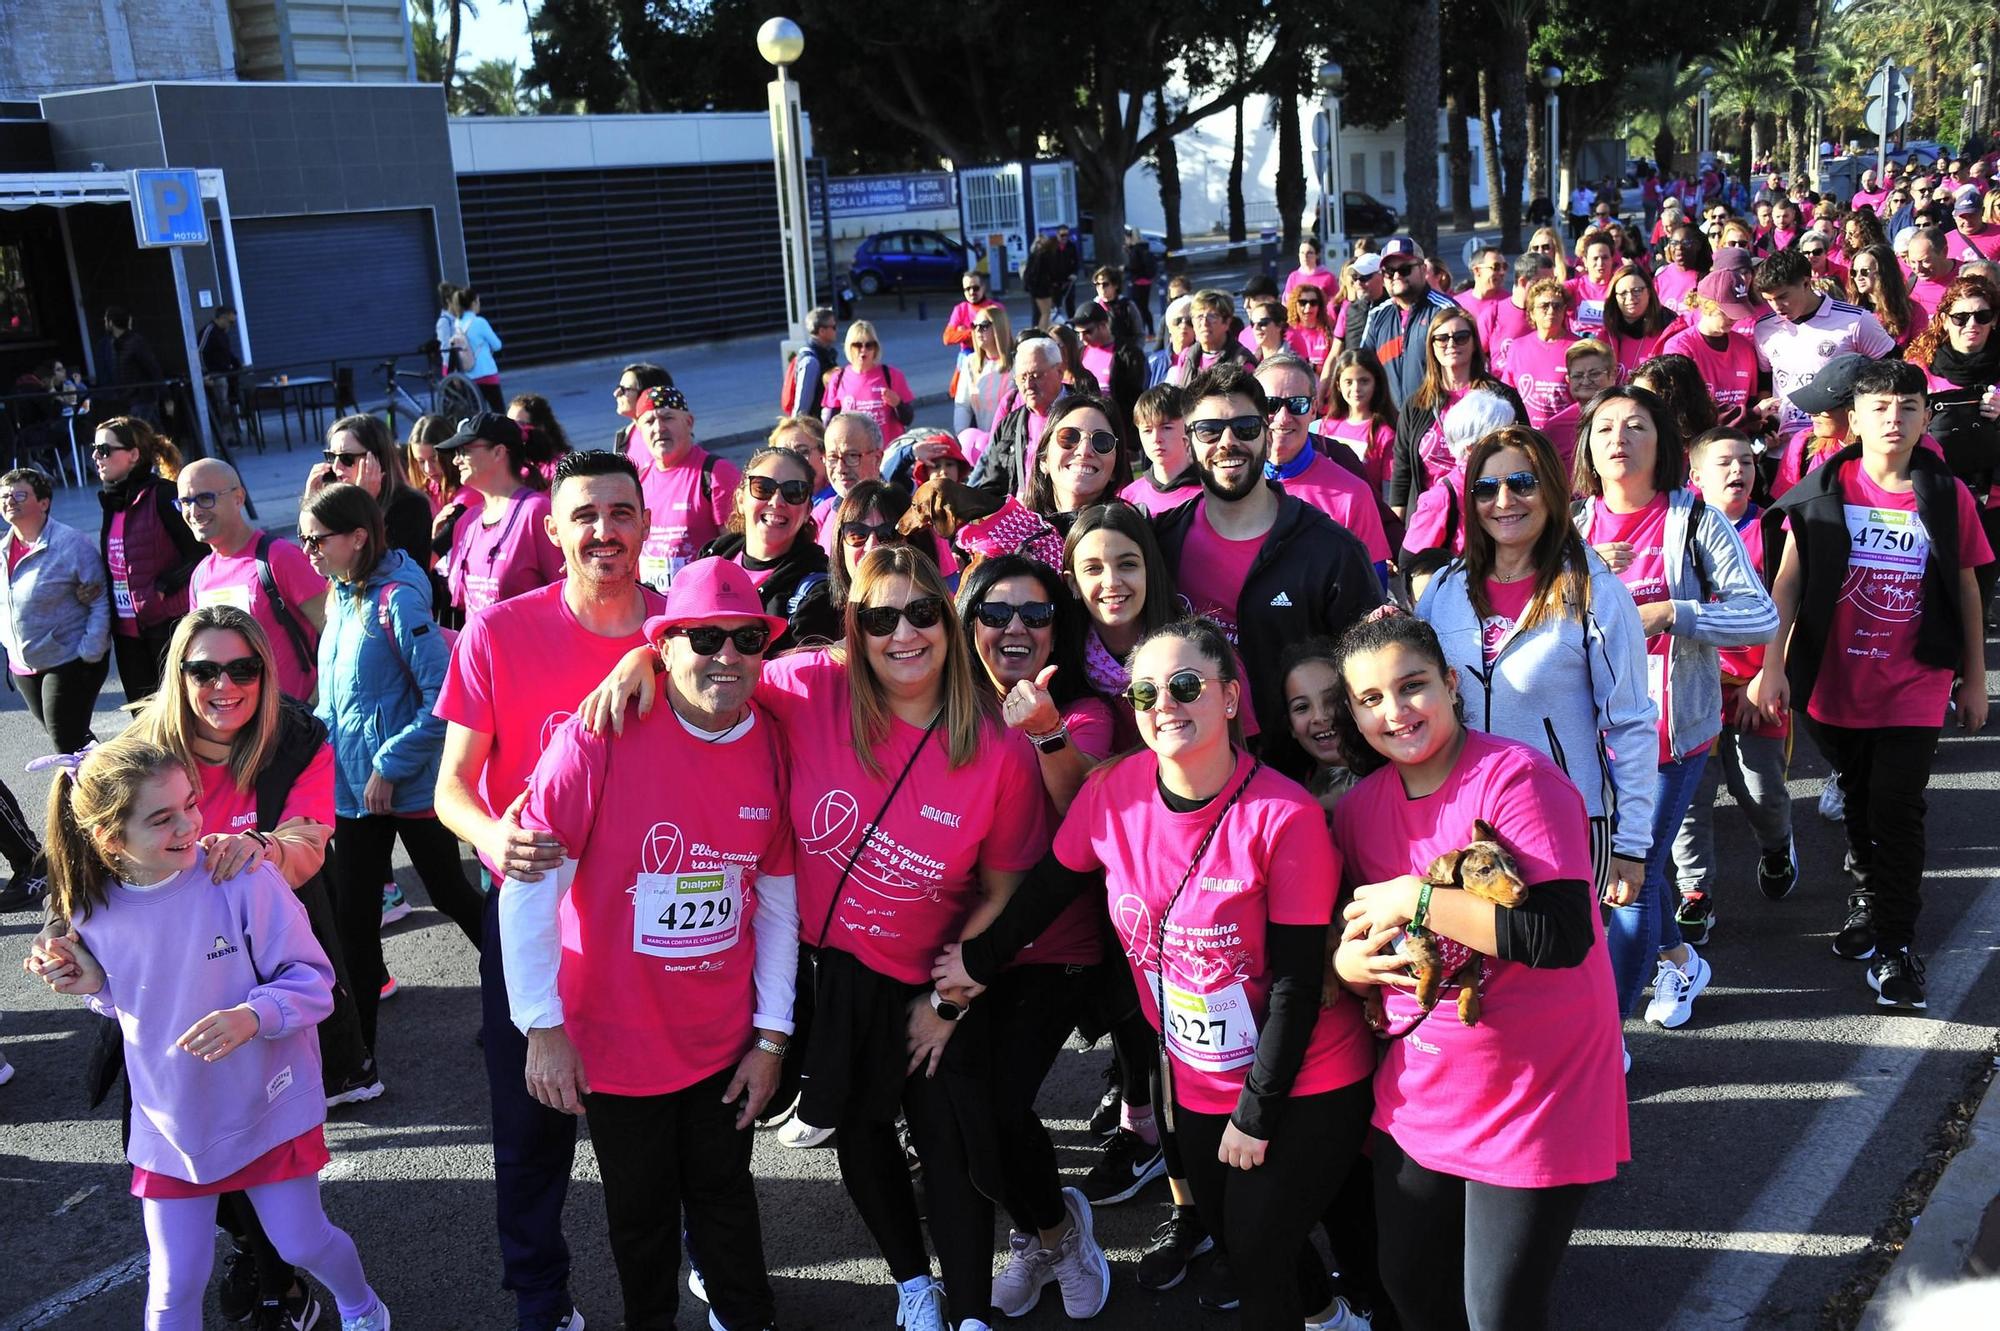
x=217, y=988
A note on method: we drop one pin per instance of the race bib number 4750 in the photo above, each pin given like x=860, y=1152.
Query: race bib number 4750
x=687, y=914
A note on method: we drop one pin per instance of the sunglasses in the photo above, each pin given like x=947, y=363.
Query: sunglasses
x=1247, y=429
x=1101, y=441
x=983, y=326
x=863, y=346
x=751, y=640
x=1183, y=686
x=1520, y=484
x=1454, y=339
x=858, y=534
x=313, y=543
x=106, y=450
x=626, y=390
x=974, y=292
x=1266, y=323
x=763, y=487
x=879, y=621
x=1964, y=317
x=1399, y=269
x=203, y=501
x=1812, y=251
x=243, y=670
x=999, y=614
x=334, y=459
x=1182, y=322
x=1299, y=404
x=1311, y=304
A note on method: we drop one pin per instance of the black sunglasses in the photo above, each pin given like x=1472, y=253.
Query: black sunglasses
x=1399, y=269
x=1299, y=404
x=1247, y=429
x=1457, y=338
x=1183, y=686
x=999, y=614
x=106, y=450
x=870, y=345
x=983, y=326
x=1520, y=484
x=334, y=459
x=1964, y=317
x=243, y=670
x=313, y=543
x=751, y=640
x=763, y=487
x=1101, y=441
x=858, y=534
x=1266, y=323
x=879, y=621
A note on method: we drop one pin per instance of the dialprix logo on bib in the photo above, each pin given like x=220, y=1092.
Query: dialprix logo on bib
x=693, y=885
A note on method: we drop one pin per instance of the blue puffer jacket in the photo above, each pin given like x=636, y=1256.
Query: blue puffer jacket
x=381, y=664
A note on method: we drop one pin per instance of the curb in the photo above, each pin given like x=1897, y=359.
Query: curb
x=1965, y=1202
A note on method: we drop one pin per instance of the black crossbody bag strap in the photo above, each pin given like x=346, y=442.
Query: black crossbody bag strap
x=869, y=829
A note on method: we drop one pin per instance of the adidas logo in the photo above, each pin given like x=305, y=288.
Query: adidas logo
x=1282, y=600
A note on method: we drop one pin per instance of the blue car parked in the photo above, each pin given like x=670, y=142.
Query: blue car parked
x=891, y=259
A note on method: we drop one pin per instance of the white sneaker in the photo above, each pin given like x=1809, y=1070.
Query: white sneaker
x=1675, y=988
x=1080, y=1269
x=696, y=1285
x=375, y=1321
x=920, y=1307
x=572, y=1322
x=1832, y=804
x=801, y=1135
x=1340, y=1316
x=1029, y=1268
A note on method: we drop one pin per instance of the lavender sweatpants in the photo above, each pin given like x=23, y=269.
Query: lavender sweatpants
x=181, y=1235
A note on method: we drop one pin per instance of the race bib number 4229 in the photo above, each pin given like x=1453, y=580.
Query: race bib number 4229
x=687, y=914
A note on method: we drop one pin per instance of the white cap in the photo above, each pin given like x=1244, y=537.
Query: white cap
x=1367, y=265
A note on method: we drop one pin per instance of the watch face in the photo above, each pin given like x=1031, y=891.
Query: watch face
x=949, y=1010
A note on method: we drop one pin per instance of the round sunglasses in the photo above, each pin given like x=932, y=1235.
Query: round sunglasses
x=1101, y=441
x=1183, y=686
x=879, y=621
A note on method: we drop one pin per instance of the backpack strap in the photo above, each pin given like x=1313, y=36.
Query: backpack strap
x=1696, y=510
x=266, y=579
x=708, y=479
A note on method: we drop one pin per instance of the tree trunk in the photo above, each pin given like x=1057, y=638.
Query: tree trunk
x=1537, y=180
x=1291, y=190
x=1167, y=169
x=451, y=50
x=1515, y=132
x=1489, y=149
x=1238, y=224
x=1420, y=117
x=1458, y=154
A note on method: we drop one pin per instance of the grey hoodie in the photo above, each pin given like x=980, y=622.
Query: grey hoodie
x=55, y=606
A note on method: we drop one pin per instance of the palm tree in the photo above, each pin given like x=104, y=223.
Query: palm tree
x=494, y=88
x=1653, y=95
x=1750, y=73
x=1511, y=97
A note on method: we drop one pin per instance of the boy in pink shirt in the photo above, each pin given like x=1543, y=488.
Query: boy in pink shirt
x=688, y=490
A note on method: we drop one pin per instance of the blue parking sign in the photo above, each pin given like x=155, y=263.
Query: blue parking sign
x=166, y=208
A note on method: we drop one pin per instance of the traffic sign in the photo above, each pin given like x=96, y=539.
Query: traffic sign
x=1872, y=117
x=1880, y=83
x=166, y=209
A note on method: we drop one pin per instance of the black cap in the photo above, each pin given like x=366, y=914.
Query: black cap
x=1832, y=387
x=1089, y=312
x=487, y=427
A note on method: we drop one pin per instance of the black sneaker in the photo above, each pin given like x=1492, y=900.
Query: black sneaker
x=1856, y=939
x=237, y=1296
x=1696, y=917
x=296, y=1312
x=23, y=892
x=1218, y=1288
x=1126, y=1165
x=1177, y=1242
x=1778, y=873
x=1897, y=977
x=1104, y=1119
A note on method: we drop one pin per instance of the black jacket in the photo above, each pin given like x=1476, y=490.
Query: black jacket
x=1408, y=477
x=136, y=364
x=797, y=589
x=1312, y=578
x=1005, y=460
x=1816, y=508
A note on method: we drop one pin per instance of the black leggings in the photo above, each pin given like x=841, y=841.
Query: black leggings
x=62, y=699
x=139, y=659
x=361, y=865
x=1463, y=1256
x=1034, y=1013
x=960, y=1215
x=1136, y=1047
x=18, y=841
x=1265, y=1216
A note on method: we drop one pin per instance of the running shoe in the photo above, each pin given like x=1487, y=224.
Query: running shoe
x=301, y=1312
x=1218, y=1288
x=1696, y=916
x=696, y=1285
x=1778, y=872
x=366, y=1085
x=1832, y=804
x=920, y=1305
x=23, y=892
x=1675, y=988
x=375, y=1321
x=803, y=1136
x=1856, y=939
x=237, y=1294
x=6, y=1071
x=1177, y=1242
x=569, y=1321
x=1340, y=1315
x=389, y=987
x=1029, y=1268
x=1126, y=1165
x=1104, y=1119
x=1080, y=1268
x=395, y=906
x=1897, y=977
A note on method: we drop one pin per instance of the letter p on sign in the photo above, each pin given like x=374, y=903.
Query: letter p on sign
x=166, y=208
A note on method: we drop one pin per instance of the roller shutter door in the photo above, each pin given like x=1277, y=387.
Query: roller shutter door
x=337, y=286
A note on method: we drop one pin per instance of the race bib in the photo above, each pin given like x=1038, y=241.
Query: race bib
x=238, y=596
x=1212, y=1032
x=1893, y=540
x=121, y=598
x=687, y=914
x=659, y=561
x=1590, y=314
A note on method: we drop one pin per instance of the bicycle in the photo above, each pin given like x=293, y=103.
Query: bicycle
x=454, y=397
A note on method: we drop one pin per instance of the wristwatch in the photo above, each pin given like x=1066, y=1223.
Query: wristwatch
x=1052, y=742
x=945, y=1008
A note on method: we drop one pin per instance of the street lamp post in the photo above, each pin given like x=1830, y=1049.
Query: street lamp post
x=781, y=43
x=1552, y=78
x=1333, y=216
x=1702, y=131
x=1975, y=104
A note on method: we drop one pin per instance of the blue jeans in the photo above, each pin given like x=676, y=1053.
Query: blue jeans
x=1638, y=933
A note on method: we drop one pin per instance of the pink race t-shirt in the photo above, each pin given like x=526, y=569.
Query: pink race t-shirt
x=1342, y=496
x=1077, y=936
x=854, y=390
x=1646, y=578
x=1143, y=493
x=1586, y=304
x=1673, y=284
x=1730, y=371
x=1982, y=244
x=495, y=561
x=658, y=954
x=1538, y=372
x=1214, y=569
x=1098, y=361
x=233, y=580
x=518, y=672
x=916, y=881
x=1326, y=279
x=1534, y=1095
x=1501, y=323
x=1509, y=601
x=123, y=621
x=636, y=448
x=683, y=519
x=1309, y=344
x=1373, y=442
x=1871, y=676
x=224, y=808
x=1204, y=950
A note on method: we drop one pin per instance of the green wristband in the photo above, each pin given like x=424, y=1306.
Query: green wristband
x=1418, y=920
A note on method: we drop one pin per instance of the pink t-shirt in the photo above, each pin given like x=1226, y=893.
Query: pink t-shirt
x=1327, y=280
x=1432, y=516
x=1928, y=293
x=1098, y=361
x=1538, y=372
x=1077, y=936
x=1586, y=304
x=1534, y=1095
x=1213, y=571
x=917, y=880
x=1646, y=578
x=232, y=580
x=636, y=447
x=658, y=954
x=1372, y=441
x=494, y=561
x=123, y=621
x=517, y=673
x=224, y=808
x=1982, y=244
x=1344, y=497
x=1673, y=284
x=1204, y=950
x=1435, y=452
x=1142, y=493
x=1309, y=344
x=1509, y=601
x=683, y=520
x=1501, y=323
x=1871, y=676
x=1731, y=373
x=1743, y=662
x=853, y=390
x=1631, y=352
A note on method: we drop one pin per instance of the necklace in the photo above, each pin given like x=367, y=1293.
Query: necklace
x=1498, y=576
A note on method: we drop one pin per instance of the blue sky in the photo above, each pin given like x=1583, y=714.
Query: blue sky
x=499, y=33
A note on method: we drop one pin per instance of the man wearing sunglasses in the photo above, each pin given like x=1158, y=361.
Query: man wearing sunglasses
x=1313, y=476
x=269, y=579
x=1397, y=330
x=633, y=381
x=664, y=1016
x=958, y=328
x=518, y=671
x=688, y=490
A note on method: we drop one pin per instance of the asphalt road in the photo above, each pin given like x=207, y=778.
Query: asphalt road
x=1770, y=1135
